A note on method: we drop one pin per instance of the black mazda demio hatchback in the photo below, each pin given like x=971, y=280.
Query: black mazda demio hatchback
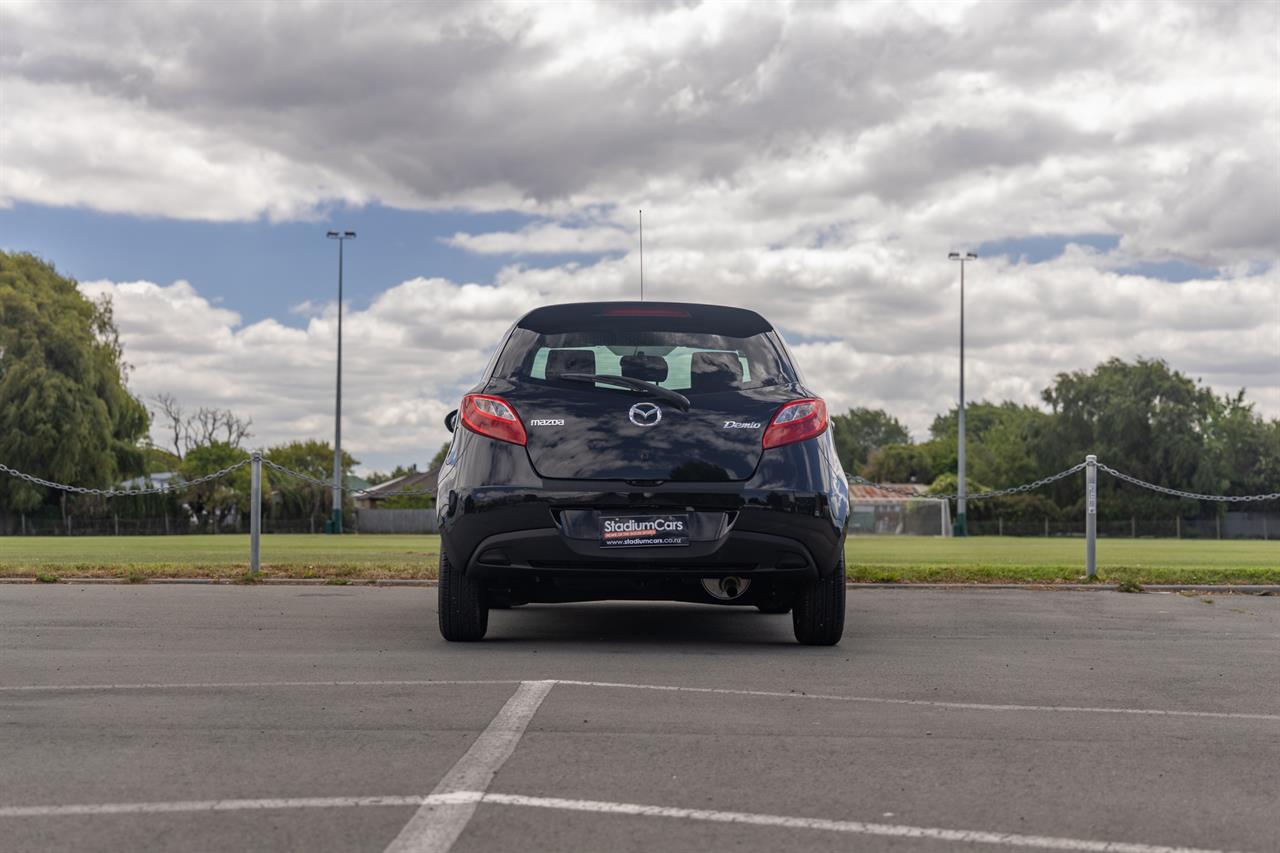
x=642, y=450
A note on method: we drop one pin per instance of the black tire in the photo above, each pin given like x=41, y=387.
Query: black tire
x=774, y=609
x=464, y=613
x=818, y=615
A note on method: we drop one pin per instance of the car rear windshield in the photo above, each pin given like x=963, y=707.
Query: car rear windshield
x=681, y=359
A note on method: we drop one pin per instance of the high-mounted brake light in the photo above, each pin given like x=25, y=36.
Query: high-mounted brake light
x=492, y=417
x=796, y=422
x=644, y=312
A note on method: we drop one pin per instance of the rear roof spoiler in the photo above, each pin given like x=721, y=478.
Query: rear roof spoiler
x=673, y=316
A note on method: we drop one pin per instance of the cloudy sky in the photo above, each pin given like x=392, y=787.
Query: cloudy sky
x=1116, y=166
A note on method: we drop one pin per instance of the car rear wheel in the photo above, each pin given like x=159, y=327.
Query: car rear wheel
x=464, y=613
x=818, y=615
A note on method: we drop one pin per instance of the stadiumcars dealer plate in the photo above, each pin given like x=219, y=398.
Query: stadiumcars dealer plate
x=644, y=531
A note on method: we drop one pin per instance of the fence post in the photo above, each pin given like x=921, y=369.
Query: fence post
x=255, y=513
x=1091, y=516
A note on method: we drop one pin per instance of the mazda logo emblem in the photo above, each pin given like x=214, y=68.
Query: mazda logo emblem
x=645, y=414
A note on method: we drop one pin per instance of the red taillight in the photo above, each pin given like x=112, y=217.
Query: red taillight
x=493, y=417
x=796, y=422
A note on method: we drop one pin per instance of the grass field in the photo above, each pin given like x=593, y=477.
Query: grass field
x=880, y=558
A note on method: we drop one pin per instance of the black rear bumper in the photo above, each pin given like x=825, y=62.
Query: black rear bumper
x=549, y=551
x=543, y=565
x=503, y=523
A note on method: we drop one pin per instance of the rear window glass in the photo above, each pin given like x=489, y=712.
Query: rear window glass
x=685, y=361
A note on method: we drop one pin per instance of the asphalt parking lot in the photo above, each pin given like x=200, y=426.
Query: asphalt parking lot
x=335, y=718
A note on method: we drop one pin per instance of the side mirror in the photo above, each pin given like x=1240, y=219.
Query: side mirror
x=451, y=421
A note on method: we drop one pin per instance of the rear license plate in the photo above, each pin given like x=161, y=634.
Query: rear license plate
x=639, y=531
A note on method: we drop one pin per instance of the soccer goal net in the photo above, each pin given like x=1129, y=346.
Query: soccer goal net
x=901, y=516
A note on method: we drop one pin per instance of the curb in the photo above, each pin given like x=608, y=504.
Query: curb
x=1239, y=589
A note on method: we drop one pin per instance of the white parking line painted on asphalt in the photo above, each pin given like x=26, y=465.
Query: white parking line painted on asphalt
x=776, y=694
x=927, y=703
x=1044, y=842
x=209, y=806
x=242, y=685
x=468, y=800
x=435, y=826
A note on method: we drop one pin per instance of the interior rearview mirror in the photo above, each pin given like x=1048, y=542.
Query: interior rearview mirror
x=451, y=421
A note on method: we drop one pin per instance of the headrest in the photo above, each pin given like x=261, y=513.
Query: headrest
x=562, y=361
x=650, y=368
x=714, y=371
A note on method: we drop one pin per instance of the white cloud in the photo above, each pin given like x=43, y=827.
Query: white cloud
x=401, y=374
x=886, y=330
x=814, y=161
x=953, y=121
x=545, y=239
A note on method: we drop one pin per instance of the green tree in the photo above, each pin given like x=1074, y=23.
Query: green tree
x=65, y=411
x=1143, y=418
x=159, y=460
x=979, y=418
x=1005, y=443
x=410, y=501
x=221, y=501
x=860, y=431
x=1242, y=453
x=901, y=463
x=295, y=498
x=378, y=477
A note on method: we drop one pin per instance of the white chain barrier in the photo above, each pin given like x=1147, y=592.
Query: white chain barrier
x=1177, y=493
x=256, y=460
x=177, y=486
x=1044, y=481
x=1013, y=490
x=165, y=488
x=328, y=484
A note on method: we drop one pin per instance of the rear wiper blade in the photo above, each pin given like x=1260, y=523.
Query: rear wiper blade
x=680, y=400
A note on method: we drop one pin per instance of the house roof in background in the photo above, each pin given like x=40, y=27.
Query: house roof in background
x=419, y=480
x=891, y=491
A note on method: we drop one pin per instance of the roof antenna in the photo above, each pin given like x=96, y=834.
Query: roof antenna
x=642, y=256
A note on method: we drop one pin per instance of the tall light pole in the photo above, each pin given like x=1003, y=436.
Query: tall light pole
x=961, y=526
x=335, y=525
